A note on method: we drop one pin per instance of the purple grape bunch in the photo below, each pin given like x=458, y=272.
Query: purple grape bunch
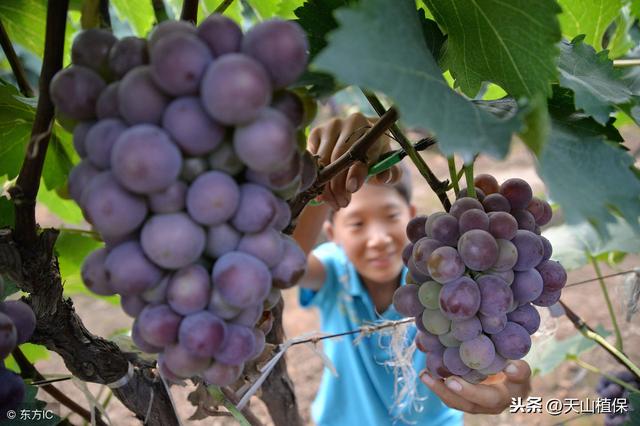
x=188, y=141
x=17, y=324
x=611, y=390
x=475, y=274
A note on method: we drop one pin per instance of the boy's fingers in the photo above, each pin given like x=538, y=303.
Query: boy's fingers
x=356, y=176
x=328, y=139
x=382, y=177
x=445, y=394
x=518, y=371
x=338, y=189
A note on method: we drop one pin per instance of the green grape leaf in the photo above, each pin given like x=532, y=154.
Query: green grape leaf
x=538, y=124
x=635, y=8
x=7, y=212
x=319, y=84
x=591, y=76
x=586, y=173
x=25, y=22
x=317, y=19
x=265, y=9
x=510, y=43
x=139, y=15
x=287, y=8
x=380, y=46
x=572, y=244
x=589, y=17
x=621, y=41
x=548, y=354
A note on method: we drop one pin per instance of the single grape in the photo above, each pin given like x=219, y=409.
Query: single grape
x=527, y=285
x=222, y=374
x=428, y=226
x=427, y=342
x=553, y=275
x=448, y=340
x=74, y=92
x=281, y=47
x=445, y=264
x=407, y=251
x=416, y=228
x=159, y=325
x=502, y=225
x=478, y=249
x=111, y=209
x=213, y=198
x=221, y=239
x=188, y=290
x=165, y=28
x=473, y=219
x=547, y=298
x=178, y=62
x=421, y=252
x=478, y=352
x=548, y=250
x=266, y=245
x=513, y=342
x=445, y=229
x=435, y=365
x=91, y=47
x=80, y=177
x=100, y=140
x=466, y=329
x=536, y=208
x=126, y=54
x=292, y=267
x=435, y=322
x=79, y=136
x=487, y=183
x=169, y=200
x=239, y=345
x=132, y=304
x=256, y=209
x=183, y=362
x=498, y=364
x=460, y=299
x=107, y=103
x=172, y=240
x=530, y=250
x=507, y=256
x=140, y=100
x=129, y=271
x=145, y=160
x=525, y=219
x=429, y=294
x=496, y=295
x=241, y=279
x=517, y=191
x=527, y=316
x=546, y=215
x=142, y=344
x=202, y=333
x=224, y=159
x=221, y=34
x=22, y=317
x=289, y=104
x=94, y=275
x=265, y=143
x=480, y=195
x=406, y=302
x=453, y=362
x=496, y=203
x=464, y=204
x=494, y=324
x=191, y=127
x=234, y=89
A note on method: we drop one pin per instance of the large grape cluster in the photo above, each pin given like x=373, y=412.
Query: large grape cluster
x=612, y=391
x=189, y=151
x=475, y=274
x=17, y=323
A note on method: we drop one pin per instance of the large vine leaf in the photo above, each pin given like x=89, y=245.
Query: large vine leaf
x=587, y=174
x=139, y=15
x=597, y=85
x=316, y=17
x=589, y=17
x=67, y=210
x=510, y=43
x=380, y=45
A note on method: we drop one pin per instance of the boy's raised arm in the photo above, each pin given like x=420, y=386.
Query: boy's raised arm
x=306, y=234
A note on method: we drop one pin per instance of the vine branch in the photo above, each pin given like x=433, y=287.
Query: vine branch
x=14, y=62
x=223, y=6
x=159, y=10
x=189, y=11
x=103, y=13
x=28, y=370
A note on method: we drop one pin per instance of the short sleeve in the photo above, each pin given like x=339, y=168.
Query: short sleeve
x=330, y=255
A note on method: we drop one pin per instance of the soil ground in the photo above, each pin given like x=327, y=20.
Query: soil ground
x=305, y=368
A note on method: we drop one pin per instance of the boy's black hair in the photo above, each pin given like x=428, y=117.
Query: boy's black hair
x=403, y=186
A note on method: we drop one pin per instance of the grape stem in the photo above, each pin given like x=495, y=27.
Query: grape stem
x=103, y=13
x=29, y=371
x=357, y=152
x=159, y=11
x=468, y=174
x=596, y=370
x=440, y=188
x=223, y=6
x=591, y=334
x=14, y=62
x=603, y=287
x=454, y=174
x=189, y=11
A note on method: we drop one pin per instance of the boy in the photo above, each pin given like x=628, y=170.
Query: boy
x=352, y=278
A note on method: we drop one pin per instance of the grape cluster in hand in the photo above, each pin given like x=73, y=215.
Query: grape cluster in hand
x=475, y=274
x=17, y=323
x=189, y=152
x=610, y=390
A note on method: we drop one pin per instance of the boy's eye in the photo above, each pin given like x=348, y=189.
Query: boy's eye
x=355, y=224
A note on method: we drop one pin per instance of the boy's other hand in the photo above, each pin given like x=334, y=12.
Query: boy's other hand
x=332, y=139
x=490, y=397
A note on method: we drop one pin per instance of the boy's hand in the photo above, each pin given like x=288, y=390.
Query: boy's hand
x=490, y=397
x=332, y=139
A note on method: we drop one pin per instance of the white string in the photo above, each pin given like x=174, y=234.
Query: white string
x=122, y=381
x=91, y=399
x=146, y=416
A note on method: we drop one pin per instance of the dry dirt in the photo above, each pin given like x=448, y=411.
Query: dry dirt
x=305, y=368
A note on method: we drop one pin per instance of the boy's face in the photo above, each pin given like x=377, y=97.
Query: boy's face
x=372, y=231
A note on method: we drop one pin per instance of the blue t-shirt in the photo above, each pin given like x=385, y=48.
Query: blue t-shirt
x=363, y=394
